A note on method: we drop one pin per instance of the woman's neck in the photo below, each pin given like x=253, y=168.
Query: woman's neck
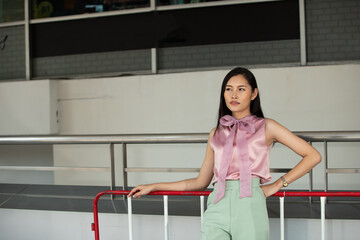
x=240, y=115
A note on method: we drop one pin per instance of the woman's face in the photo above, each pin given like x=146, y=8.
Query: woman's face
x=238, y=96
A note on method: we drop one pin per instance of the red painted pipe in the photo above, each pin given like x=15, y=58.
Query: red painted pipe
x=317, y=194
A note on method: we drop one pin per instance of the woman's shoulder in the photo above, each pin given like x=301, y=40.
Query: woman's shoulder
x=271, y=126
x=210, y=139
x=275, y=129
x=212, y=132
x=270, y=122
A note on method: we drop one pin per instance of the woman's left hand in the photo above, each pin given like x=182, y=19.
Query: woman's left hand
x=271, y=189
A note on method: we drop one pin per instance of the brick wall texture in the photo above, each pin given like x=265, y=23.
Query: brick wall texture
x=332, y=35
x=12, y=56
x=270, y=52
x=333, y=30
x=93, y=63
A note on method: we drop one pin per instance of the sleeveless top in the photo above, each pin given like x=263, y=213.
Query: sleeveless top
x=258, y=151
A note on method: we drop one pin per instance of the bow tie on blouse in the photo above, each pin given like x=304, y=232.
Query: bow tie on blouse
x=236, y=139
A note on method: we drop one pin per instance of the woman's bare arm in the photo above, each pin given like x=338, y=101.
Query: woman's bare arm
x=193, y=184
x=275, y=132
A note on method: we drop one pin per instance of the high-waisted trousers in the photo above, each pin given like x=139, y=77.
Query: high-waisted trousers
x=234, y=218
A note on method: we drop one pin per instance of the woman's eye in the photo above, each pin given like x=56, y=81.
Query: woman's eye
x=227, y=89
x=241, y=89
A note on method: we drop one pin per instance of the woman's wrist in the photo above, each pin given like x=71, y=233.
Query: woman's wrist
x=153, y=187
x=279, y=183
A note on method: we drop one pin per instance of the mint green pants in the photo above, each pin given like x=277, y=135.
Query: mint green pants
x=234, y=218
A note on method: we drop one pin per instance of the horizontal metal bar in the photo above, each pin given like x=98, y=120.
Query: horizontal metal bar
x=273, y=170
x=162, y=169
x=105, y=139
x=343, y=170
x=318, y=194
x=12, y=24
x=209, y=4
x=107, y=169
x=280, y=170
x=47, y=195
x=39, y=168
x=329, y=136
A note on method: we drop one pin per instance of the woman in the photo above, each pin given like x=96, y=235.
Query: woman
x=237, y=161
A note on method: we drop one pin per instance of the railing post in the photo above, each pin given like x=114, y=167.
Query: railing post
x=95, y=224
x=125, y=178
x=311, y=183
x=326, y=165
x=130, y=217
x=166, y=217
x=202, y=207
x=282, y=222
x=112, y=167
x=323, y=202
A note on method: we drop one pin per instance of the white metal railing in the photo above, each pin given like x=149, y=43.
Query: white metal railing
x=313, y=136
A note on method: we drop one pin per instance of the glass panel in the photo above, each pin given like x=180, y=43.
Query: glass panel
x=56, y=8
x=11, y=11
x=176, y=2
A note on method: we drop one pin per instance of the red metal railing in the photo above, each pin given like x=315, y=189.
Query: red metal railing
x=282, y=194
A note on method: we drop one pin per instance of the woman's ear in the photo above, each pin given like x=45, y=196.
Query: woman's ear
x=254, y=94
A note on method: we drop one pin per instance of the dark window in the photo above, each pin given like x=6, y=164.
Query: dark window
x=56, y=8
x=11, y=11
x=269, y=21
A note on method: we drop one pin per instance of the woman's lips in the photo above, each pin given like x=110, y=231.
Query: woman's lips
x=234, y=103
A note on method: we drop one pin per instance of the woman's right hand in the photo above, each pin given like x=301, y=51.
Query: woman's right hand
x=140, y=190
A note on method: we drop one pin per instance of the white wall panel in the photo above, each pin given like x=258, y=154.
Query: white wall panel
x=28, y=108
x=312, y=98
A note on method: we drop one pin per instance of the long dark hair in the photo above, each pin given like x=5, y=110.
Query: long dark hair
x=255, y=106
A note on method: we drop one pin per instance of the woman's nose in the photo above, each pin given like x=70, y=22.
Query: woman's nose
x=234, y=95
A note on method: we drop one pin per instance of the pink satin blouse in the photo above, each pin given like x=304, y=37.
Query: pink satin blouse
x=258, y=152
